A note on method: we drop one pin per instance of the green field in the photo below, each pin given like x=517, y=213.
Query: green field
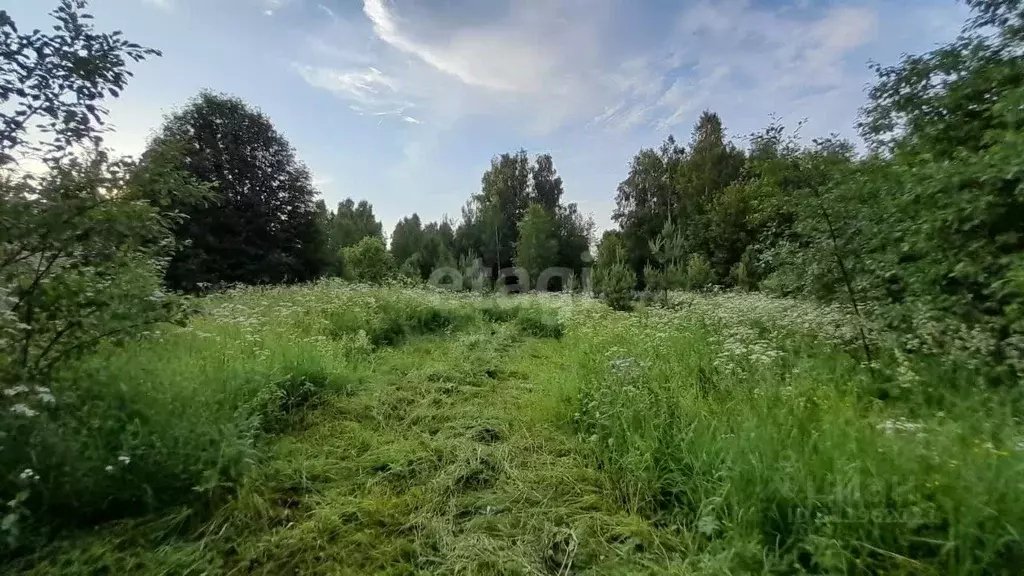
x=338, y=429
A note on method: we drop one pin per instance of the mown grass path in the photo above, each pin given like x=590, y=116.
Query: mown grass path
x=452, y=456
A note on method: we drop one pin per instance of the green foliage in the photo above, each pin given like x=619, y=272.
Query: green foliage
x=368, y=261
x=474, y=276
x=727, y=433
x=41, y=72
x=537, y=247
x=925, y=236
x=676, y=194
x=744, y=272
x=423, y=248
x=491, y=220
x=540, y=323
x=262, y=228
x=770, y=462
x=699, y=275
x=656, y=279
x=407, y=238
x=346, y=226
x=618, y=282
x=80, y=257
x=611, y=249
x=411, y=267
x=530, y=319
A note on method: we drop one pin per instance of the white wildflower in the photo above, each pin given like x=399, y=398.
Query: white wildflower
x=12, y=392
x=900, y=425
x=23, y=410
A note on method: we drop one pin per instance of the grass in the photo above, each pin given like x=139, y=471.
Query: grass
x=344, y=430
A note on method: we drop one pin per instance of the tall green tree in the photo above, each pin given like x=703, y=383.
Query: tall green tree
x=352, y=222
x=262, y=228
x=647, y=199
x=503, y=199
x=547, y=184
x=407, y=238
x=537, y=247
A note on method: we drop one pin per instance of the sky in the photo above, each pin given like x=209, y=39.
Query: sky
x=404, y=102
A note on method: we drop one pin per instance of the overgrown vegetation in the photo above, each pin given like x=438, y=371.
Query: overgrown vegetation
x=341, y=428
x=822, y=373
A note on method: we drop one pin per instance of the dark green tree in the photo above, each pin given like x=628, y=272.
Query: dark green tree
x=352, y=222
x=407, y=238
x=262, y=228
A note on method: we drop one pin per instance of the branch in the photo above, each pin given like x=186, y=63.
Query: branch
x=845, y=274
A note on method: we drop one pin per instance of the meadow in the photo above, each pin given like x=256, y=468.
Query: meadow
x=336, y=428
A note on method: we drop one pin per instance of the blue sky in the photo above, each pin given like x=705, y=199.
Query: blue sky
x=403, y=103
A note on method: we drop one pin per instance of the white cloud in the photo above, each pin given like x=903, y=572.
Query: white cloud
x=736, y=56
x=368, y=90
x=541, y=66
x=167, y=5
x=327, y=11
x=410, y=120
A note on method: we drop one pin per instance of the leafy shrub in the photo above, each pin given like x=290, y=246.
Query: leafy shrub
x=699, y=274
x=368, y=261
x=618, y=282
x=81, y=261
x=744, y=272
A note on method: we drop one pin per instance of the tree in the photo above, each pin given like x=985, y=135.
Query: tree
x=349, y=224
x=575, y=233
x=619, y=281
x=611, y=249
x=352, y=222
x=702, y=179
x=369, y=261
x=503, y=199
x=537, y=247
x=262, y=227
x=547, y=184
x=647, y=199
x=81, y=258
x=407, y=238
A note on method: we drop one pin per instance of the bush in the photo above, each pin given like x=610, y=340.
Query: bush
x=618, y=282
x=744, y=272
x=699, y=274
x=368, y=261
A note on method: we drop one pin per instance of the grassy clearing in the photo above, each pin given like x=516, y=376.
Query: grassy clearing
x=341, y=430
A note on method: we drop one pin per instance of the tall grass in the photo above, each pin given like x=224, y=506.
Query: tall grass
x=346, y=428
x=783, y=459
